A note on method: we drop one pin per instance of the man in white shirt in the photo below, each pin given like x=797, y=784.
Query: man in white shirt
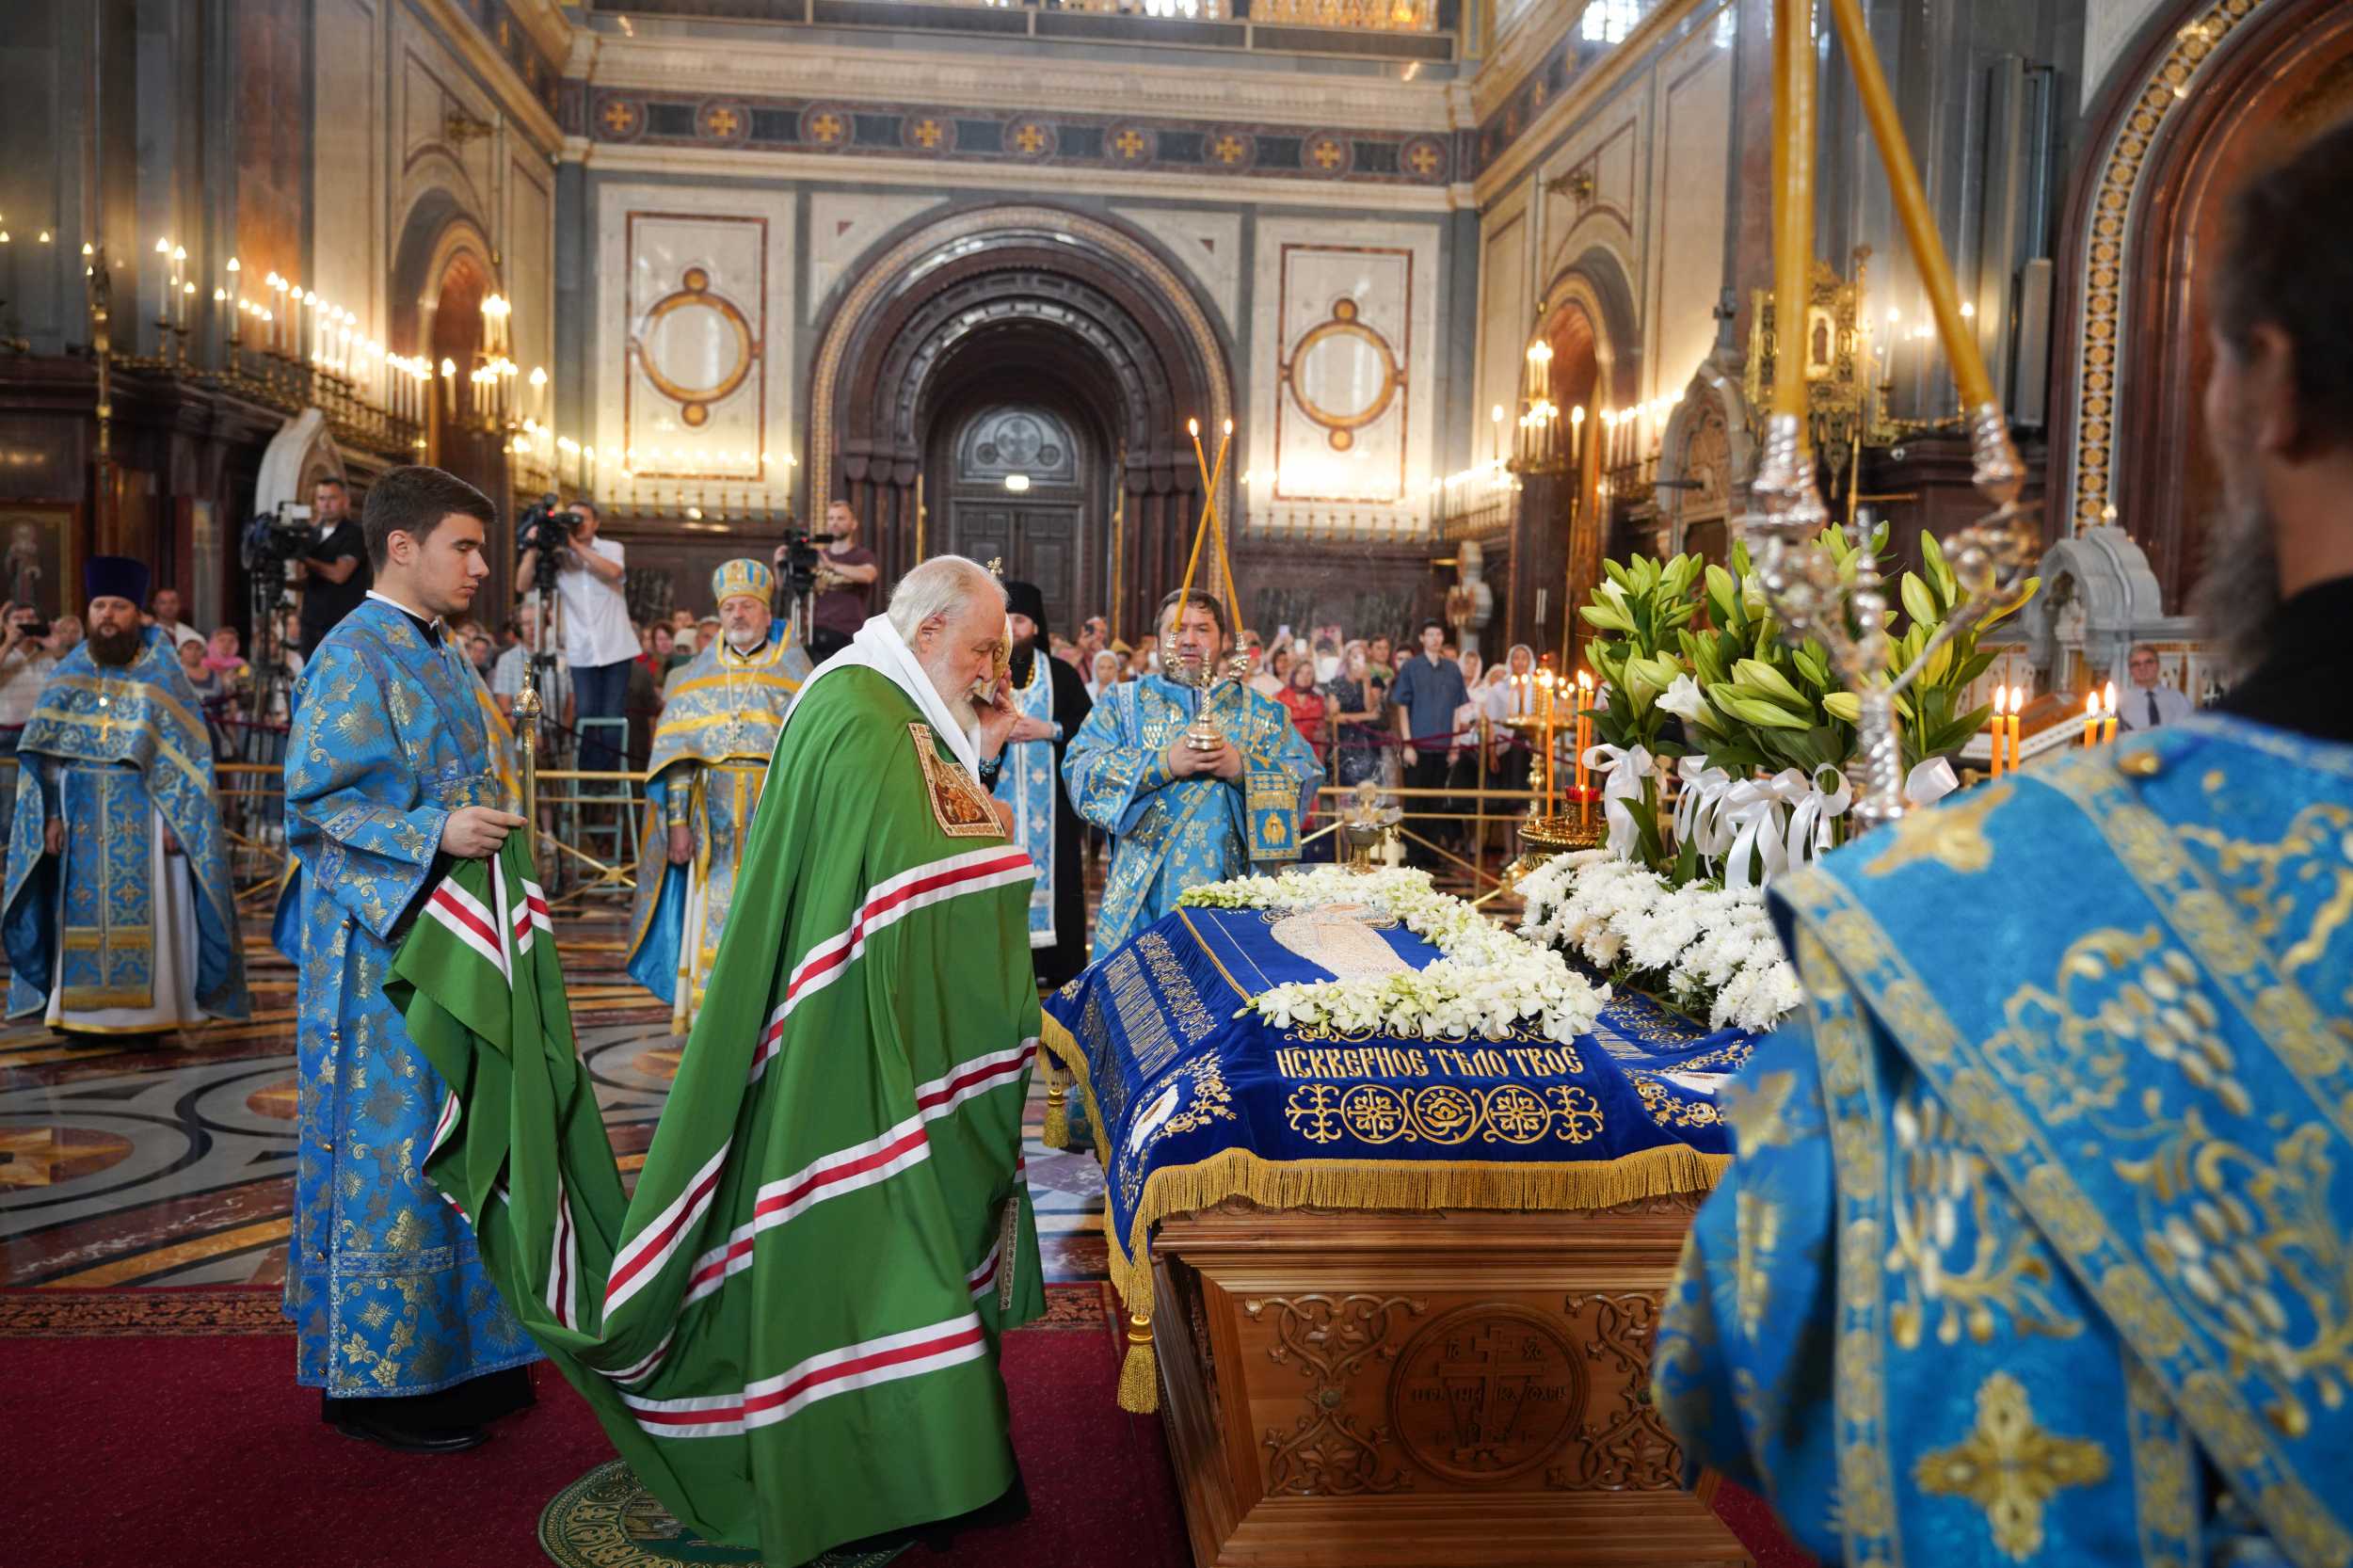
x=166, y=614
x=598, y=641
x=2149, y=702
x=24, y=665
x=553, y=680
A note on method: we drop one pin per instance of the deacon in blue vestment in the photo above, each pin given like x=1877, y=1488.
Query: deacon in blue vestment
x=119, y=916
x=1052, y=700
x=2035, y=1249
x=390, y=775
x=1177, y=817
x=710, y=758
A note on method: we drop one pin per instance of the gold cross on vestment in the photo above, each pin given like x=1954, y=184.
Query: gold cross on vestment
x=2010, y=1468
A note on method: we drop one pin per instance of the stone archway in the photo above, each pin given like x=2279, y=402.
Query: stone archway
x=1560, y=535
x=1049, y=306
x=2213, y=88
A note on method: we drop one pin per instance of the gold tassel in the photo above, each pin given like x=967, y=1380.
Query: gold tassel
x=1140, y=1373
x=1056, y=1133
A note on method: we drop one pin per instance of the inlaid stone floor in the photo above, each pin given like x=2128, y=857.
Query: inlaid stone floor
x=124, y=1165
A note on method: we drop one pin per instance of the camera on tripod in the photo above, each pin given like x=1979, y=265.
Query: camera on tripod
x=274, y=538
x=547, y=527
x=798, y=560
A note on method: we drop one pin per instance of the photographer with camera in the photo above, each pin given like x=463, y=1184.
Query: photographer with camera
x=26, y=660
x=598, y=641
x=844, y=582
x=333, y=572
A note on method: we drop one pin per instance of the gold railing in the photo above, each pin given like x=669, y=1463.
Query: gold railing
x=1386, y=16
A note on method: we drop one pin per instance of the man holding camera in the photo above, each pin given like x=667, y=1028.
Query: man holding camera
x=333, y=572
x=598, y=641
x=846, y=574
x=26, y=660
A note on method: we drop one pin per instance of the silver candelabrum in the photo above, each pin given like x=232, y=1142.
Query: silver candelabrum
x=1990, y=560
x=1204, y=676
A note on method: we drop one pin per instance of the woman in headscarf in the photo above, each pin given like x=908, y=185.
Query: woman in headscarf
x=1109, y=669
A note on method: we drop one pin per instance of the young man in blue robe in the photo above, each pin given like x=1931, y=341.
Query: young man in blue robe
x=391, y=774
x=120, y=914
x=1179, y=818
x=711, y=752
x=2035, y=1246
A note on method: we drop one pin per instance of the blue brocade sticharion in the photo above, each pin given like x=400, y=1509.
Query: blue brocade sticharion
x=1026, y=782
x=2035, y=1235
x=382, y=1281
x=120, y=742
x=1171, y=833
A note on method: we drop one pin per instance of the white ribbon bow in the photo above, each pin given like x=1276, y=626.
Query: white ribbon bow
x=1697, y=808
x=1626, y=767
x=1754, y=812
x=1929, y=783
x=1809, y=824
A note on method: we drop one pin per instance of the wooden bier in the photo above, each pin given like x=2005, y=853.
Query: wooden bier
x=1401, y=1389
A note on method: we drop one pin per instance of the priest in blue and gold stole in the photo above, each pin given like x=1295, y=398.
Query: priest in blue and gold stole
x=391, y=774
x=2036, y=1247
x=710, y=759
x=1177, y=817
x=119, y=918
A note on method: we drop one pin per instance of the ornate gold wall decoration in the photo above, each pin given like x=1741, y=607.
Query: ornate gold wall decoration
x=695, y=293
x=1343, y=325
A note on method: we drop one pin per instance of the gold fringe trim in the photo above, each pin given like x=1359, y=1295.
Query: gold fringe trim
x=1055, y=1134
x=1667, y=1170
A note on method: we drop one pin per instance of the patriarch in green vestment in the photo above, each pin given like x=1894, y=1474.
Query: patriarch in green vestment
x=2035, y=1248
x=710, y=759
x=791, y=1328
x=119, y=914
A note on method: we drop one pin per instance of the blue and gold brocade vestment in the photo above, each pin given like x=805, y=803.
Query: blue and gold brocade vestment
x=1169, y=834
x=111, y=752
x=2034, y=1249
x=383, y=1284
x=710, y=758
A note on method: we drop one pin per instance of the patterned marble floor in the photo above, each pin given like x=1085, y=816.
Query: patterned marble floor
x=123, y=1166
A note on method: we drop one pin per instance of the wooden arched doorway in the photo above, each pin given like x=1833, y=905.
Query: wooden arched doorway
x=1025, y=480
x=1023, y=309
x=2193, y=110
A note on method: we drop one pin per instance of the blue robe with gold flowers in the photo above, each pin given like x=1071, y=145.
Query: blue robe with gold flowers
x=2035, y=1248
x=122, y=746
x=383, y=1284
x=1170, y=834
x=719, y=726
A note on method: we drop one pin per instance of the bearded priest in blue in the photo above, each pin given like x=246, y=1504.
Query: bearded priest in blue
x=119, y=916
x=1179, y=817
x=2036, y=1247
x=710, y=759
x=1052, y=698
x=390, y=776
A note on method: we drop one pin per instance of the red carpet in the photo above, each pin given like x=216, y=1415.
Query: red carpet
x=140, y=1440
x=141, y=1452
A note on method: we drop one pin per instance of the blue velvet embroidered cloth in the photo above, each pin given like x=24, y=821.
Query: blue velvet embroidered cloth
x=1192, y=1102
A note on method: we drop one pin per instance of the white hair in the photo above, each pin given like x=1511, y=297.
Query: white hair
x=939, y=586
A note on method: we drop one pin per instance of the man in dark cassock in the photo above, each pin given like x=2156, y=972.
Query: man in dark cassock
x=1052, y=698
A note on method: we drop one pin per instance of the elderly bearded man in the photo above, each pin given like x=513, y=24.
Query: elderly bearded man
x=709, y=757
x=831, y=1231
x=119, y=914
x=1179, y=817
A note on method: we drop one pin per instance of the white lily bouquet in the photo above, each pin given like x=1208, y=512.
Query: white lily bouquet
x=1486, y=982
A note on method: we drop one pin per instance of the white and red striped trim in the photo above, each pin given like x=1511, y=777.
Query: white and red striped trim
x=564, y=1262
x=644, y=1368
x=462, y=916
x=984, y=1279
x=652, y=1247
x=865, y=1365
x=876, y=1160
x=886, y=903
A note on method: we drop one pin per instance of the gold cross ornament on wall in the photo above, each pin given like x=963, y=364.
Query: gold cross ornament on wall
x=721, y=122
x=1327, y=153
x=827, y=127
x=1031, y=137
x=927, y=132
x=1228, y=148
x=1131, y=143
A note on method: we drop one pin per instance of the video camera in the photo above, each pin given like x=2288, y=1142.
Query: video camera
x=547, y=527
x=274, y=538
x=798, y=560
